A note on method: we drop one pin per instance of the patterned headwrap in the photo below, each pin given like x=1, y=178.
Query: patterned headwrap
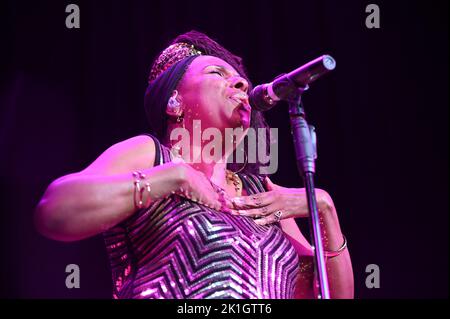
x=173, y=54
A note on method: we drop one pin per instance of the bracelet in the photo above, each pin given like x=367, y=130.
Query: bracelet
x=139, y=191
x=331, y=254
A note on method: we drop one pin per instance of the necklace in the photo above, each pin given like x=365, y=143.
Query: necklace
x=230, y=176
x=234, y=178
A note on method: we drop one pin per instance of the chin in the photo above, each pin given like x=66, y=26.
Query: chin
x=244, y=124
x=244, y=121
x=238, y=120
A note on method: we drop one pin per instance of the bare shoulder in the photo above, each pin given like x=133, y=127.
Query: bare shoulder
x=135, y=153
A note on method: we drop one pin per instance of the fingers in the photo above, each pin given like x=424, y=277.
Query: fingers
x=257, y=212
x=198, y=189
x=225, y=202
x=207, y=196
x=212, y=200
x=256, y=200
x=270, y=219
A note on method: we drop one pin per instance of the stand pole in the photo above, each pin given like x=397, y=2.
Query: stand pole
x=305, y=149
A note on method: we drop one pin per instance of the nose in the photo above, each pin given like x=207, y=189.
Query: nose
x=240, y=83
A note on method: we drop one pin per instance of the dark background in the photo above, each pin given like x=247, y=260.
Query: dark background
x=381, y=117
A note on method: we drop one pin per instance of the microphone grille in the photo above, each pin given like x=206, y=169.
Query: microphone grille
x=329, y=62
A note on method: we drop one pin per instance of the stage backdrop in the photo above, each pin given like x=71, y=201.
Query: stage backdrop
x=67, y=94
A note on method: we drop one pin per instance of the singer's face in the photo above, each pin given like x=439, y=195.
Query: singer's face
x=213, y=92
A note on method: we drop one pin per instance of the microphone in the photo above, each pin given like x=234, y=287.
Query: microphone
x=263, y=97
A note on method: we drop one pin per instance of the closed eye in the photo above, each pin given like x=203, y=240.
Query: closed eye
x=217, y=72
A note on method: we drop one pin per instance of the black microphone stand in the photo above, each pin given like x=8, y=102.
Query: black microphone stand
x=305, y=148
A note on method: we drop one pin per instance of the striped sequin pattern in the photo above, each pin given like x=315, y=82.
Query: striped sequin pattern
x=179, y=249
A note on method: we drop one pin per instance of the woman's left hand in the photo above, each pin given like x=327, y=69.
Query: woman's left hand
x=266, y=207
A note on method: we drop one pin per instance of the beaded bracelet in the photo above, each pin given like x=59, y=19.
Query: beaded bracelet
x=139, y=191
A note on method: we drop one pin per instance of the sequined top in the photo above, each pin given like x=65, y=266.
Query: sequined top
x=180, y=249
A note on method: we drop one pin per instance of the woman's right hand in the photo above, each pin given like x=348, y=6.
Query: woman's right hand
x=195, y=186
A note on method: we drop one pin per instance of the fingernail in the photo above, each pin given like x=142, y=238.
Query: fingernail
x=242, y=212
x=237, y=200
x=227, y=210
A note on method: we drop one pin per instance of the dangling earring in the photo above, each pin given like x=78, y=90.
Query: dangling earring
x=174, y=107
x=243, y=166
x=246, y=159
x=234, y=178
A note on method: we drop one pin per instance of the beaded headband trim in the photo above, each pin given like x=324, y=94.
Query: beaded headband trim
x=171, y=55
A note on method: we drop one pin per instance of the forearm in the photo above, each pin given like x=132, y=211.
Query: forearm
x=292, y=202
x=80, y=206
x=339, y=268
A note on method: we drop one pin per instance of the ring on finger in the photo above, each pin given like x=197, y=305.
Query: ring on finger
x=278, y=215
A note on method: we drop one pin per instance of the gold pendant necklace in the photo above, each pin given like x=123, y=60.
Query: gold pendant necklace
x=234, y=178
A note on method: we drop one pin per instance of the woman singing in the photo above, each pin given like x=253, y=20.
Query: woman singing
x=186, y=223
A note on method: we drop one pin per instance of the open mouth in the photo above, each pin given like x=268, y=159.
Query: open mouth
x=244, y=108
x=241, y=100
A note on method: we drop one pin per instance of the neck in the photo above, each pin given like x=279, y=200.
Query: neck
x=199, y=154
x=215, y=170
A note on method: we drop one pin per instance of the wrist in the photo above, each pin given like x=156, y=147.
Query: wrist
x=142, y=190
x=179, y=176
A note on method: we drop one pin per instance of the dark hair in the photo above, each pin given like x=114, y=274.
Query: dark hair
x=210, y=47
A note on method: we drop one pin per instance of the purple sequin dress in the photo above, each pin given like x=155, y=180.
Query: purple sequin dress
x=179, y=249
